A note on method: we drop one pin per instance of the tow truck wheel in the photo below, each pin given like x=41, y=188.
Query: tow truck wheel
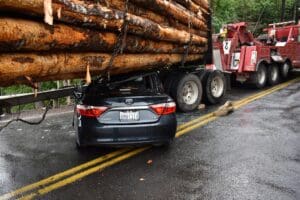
x=187, y=92
x=259, y=78
x=273, y=74
x=214, y=87
x=285, y=70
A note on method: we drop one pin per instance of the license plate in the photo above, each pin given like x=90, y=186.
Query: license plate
x=130, y=116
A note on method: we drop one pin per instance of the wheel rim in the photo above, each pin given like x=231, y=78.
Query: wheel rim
x=274, y=73
x=190, y=92
x=285, y=70
x=217, y=87
x=261, y=76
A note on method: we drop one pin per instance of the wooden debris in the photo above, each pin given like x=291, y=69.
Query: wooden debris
x=224, y=110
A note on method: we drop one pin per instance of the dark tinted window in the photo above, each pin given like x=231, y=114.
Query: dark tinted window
x=137, y=85
x=134, y=85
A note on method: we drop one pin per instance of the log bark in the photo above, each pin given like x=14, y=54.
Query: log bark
x=160, y=19
x=202, y=3
x=190, y=5
x=25, y=35
x=15, y=67
x=100, y=17
x=171, y=9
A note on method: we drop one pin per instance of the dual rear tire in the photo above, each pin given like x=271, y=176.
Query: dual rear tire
x=189, y=89
x=285, y=70
x=215, y=87
x=273, y=74
x=266, y=75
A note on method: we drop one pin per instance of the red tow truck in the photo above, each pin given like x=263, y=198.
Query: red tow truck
x=260, y=61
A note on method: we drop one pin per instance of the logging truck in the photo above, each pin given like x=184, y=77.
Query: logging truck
x=68, y=39
x=98, y=39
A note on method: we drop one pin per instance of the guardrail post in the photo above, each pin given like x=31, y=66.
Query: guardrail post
x=65, y=84
x=1, y=112
x=39, y=104
x=8, y=110
x=56, y=101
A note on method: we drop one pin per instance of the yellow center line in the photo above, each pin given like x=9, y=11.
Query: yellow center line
x=85, y=173
x=195, y=126
x=61, y=175
x=188, y=124
x=241, y=103
x=126, y=153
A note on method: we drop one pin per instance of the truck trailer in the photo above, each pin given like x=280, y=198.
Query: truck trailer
x=70, y=39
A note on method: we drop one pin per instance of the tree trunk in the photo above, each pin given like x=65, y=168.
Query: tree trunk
x=25, y=35
x=148, y=14
x=171, y=9
x=104, y=18
x=202, y=3
x=283, y=5
x=197, y=9
x=190, y=5
x=39, y=67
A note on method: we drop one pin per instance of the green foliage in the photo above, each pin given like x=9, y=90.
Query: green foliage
x=253, y=11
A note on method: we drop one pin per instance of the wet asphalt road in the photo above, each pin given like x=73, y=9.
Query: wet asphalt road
x=252, y=154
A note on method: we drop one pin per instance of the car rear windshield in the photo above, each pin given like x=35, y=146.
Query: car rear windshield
x=136, y=85
x=133, y=85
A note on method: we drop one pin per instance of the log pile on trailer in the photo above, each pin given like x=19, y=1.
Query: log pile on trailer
x=43, y=40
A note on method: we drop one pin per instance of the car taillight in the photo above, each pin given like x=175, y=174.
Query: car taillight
x=90, y=111
x=164, y=108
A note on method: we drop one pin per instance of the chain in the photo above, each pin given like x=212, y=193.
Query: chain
x=188, y=45
x=121, y=41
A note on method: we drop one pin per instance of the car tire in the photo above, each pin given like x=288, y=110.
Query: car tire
x=259, y=78
x=78, y=143
x=285, y=70
x=78, y=146
x=187, y=92
x=273, y=74
x=214, y=85
x=164, y=145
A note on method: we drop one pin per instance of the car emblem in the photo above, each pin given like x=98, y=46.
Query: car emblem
x=129, y=101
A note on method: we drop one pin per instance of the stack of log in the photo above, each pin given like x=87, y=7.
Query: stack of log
x=43, y=40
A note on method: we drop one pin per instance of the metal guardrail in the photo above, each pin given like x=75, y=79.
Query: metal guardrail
x=10, y=101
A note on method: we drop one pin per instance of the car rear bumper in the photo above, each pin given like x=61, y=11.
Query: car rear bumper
x=92, y=133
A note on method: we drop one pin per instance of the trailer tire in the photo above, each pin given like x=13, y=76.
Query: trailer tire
x=215, y=87
x=285, y=70
x=273, y=74
x=259, y=78
x=187, y=92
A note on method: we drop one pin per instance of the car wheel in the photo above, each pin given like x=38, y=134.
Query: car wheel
x=187, y=92
x=259, y=78
x=78, y=146
x=78, y=143
x=285, y=70
x=165, y=145
x=273, y=74
x=214, y=84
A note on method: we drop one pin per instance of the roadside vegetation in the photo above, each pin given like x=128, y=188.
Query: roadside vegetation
x=253, y=11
